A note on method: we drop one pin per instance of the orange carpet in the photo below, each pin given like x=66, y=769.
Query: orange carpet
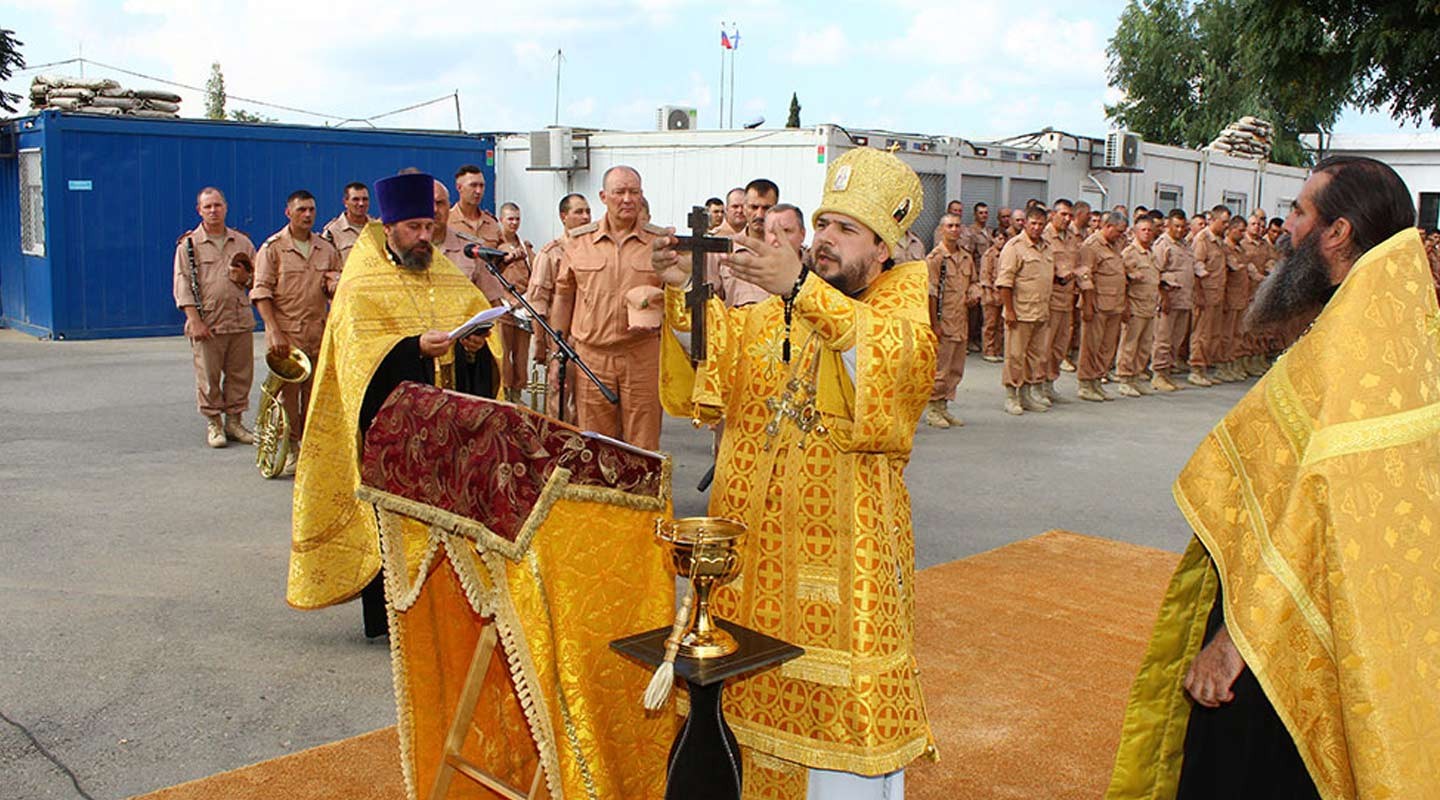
x=1026, y=652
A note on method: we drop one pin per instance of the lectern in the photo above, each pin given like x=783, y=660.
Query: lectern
x=516, y=548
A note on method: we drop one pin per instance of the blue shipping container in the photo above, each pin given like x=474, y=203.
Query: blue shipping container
x=117, y=192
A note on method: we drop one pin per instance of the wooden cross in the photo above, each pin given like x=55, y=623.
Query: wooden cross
x=699, y=244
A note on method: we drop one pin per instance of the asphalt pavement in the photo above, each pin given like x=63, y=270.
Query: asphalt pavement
x=146, y=640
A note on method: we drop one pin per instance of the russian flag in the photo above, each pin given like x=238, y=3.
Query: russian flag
x=725, y=41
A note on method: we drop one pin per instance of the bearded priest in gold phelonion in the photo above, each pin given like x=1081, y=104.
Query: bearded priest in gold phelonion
x=397, y=299
x=820, y=388
x=1297, y=650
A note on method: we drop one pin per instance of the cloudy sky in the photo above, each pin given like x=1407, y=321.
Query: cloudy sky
x=959, y=68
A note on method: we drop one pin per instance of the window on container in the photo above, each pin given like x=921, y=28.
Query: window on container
x=1237, y=202
x=32, y=204
x=1430, y=210
x=1168, y=196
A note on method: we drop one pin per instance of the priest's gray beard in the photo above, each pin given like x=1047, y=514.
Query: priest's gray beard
x=1299, y=285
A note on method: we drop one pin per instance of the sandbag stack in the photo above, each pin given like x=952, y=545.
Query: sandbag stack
x=1250, y=137
x=101, y=96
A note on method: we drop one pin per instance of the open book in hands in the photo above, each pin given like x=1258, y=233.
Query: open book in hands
x=480, y=321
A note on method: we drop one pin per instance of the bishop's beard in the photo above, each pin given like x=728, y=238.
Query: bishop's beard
x=417, y=258
x=1299, y=285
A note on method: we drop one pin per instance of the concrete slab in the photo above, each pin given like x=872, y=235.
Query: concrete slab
x=147, y=640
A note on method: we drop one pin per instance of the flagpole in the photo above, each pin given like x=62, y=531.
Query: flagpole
x=720, y=121
x=734, y=47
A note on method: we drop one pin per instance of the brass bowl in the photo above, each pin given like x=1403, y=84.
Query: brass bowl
x=706, y=552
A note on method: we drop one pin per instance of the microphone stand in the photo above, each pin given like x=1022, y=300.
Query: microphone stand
x=565, y=351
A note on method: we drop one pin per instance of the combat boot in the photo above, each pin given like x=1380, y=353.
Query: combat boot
x=292, y=459
x=993, y=359
x=214, y=432
x=1030, y=398
x=1099, y=387
x=1199, y=378
x=1142, y=385
x=955, y=422
x=1067, y=366
x=1090, y=391
x=1051, y=396
x=934, y=417
x=236, y=431
x=1258, y=367
x=1162, y=383
x=1127, y=388
x=1012, y=401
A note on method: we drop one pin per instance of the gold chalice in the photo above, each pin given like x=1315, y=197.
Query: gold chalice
x=706, y=551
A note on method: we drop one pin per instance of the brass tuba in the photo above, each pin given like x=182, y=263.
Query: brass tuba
x=272, y=424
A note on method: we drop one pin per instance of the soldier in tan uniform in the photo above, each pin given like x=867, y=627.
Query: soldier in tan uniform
x=1083, y=223
x=734, y=223
x=469, y=219
x=761, y=195
x=296, y=273
x=1251, y=346
x=1100, y=274
x=574, y=213
x=952, y=285
x=1002, y=224
x=1177, y=285
x=606, y=265
x=219, y=324
x=517, y=268
x=1065, y=250
x=1208, y=331
x=1142, y=298
x=992, y=328
x=715, y=207
x=1025, y=280
x=345, y=229
x=909, y=248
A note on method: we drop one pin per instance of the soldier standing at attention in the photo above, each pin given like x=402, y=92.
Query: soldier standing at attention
x=469, y=219
x=1142, y=294
x=574, y=212
x=1210, y=268
x=992, y=330
x=516, y=267
x=219, y=261
x=952, y=282
x=1177, y=285
x=1101, y=275
x=345, y=229
x=1065, y=249
x=296, y=273
x=1025, y=280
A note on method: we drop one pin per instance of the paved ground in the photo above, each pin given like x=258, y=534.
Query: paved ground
x=146, y=639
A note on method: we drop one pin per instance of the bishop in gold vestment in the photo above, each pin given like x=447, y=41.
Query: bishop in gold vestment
x=1316, y=509
x=813, y=462
x=380, y=309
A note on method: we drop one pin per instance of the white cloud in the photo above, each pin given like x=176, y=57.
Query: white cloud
x=580, y=110
x=948, y=92
x=828, y=45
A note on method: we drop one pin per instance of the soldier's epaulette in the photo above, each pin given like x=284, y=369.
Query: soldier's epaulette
x=654, y=229
x=273, y=237
x=590, y=228
x=182, y=236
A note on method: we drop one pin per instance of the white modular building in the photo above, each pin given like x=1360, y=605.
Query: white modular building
x=680, y=169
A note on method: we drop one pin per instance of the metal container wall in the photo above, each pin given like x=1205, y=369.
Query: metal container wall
x=118, y=193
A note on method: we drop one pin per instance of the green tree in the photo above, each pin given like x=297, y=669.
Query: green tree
x=10, y=60
x=241, y=115
x=215, y=93
x=794, y=120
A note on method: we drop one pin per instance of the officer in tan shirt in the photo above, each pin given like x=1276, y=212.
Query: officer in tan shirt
x=1250, y=346
x=761, y=195
x=295, y=275
x=1142, y=296
x=517, y=268
x=1100, y=274
x=910, y=248
x=952, y=285
x=1177, y=283
x=219, y=323
x=345, y=229
x=574, y=213
x=1208, y=331
x=603, y=263
x=1065, y=248
x=469, y=219
x=734, y=223
x=1237, y=298
x=1025, y=280
x=992, y=329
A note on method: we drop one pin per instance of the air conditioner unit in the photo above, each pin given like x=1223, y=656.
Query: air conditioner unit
x=1122, y=150
x=675, y=118
x=552, y=149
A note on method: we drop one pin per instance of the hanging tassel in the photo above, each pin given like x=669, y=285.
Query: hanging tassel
x=664, y=678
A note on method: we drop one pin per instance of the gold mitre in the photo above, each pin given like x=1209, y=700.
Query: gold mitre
x=875, y=188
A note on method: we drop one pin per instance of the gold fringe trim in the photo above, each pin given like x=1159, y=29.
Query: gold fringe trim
x=462, y=557
x=525, y=677
x=404, y=713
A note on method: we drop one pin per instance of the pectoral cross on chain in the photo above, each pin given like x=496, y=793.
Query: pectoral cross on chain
x=699, y=244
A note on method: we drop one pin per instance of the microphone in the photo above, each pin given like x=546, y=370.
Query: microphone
x=487, y=253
